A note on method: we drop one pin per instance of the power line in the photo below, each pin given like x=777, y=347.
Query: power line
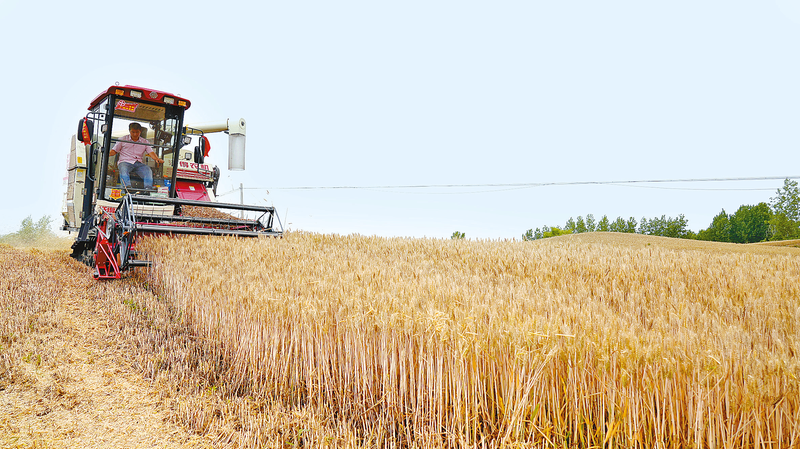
x=511, y=186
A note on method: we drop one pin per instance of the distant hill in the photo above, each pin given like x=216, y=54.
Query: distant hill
x=787, y=247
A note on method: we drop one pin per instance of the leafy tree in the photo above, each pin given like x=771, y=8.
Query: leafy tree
x=787, y=201
x=618, y=225
x=544, y=233
x=603, y=225
x=750, y=224
x=30, y=232
x=678, y=228
x=555, y=231
x=630, y=226
x=458, y=235
x=785, y=221
x=580, y=225
x=666, y=227
x=571, y=226
x=591, y=224
x=720, y=229
x=644, y=227
x=782, y=228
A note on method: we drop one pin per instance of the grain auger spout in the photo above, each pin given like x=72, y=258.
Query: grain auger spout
x=135, y=170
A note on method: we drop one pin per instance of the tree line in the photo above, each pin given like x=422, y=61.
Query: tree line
x=777, y=220
x=35, y=234
x=30, y=232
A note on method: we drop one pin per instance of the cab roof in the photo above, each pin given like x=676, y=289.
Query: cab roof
x=141, y=93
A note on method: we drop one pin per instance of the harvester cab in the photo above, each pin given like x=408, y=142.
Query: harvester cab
x=136, y=169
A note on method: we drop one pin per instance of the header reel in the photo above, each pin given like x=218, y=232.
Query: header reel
x=137, y=216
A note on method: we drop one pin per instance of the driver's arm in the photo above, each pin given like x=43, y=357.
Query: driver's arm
x=155, y=157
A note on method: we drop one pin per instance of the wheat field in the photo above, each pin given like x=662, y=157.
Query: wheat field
x=557, y=343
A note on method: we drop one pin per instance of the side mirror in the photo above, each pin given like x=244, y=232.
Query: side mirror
x=198, y=153
x=85, y=131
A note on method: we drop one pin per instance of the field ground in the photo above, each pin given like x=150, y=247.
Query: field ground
x=66, y=379
x=786, y=247
x=87, y=364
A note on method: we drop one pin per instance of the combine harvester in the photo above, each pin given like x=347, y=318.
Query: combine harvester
x=109, y=212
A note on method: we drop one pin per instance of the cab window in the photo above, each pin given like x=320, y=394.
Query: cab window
x=141, y=158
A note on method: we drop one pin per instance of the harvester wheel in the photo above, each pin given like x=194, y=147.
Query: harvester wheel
x=87, y=257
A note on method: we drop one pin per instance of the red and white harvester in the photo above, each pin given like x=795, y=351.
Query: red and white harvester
x=109, y=215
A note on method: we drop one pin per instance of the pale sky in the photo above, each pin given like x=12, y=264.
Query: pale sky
x=366, y=93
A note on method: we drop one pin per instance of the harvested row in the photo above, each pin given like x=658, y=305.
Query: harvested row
x=65, y=346
x=452, y=343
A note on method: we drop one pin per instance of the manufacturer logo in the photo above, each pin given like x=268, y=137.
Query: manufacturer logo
x=193, y=166
x=123, y=105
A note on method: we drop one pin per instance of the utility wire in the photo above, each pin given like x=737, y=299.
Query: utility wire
x=511, y=186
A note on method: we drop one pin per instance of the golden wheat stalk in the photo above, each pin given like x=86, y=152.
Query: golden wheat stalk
x=500, y=343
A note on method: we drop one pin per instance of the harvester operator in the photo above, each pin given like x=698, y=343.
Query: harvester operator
x=132, y=149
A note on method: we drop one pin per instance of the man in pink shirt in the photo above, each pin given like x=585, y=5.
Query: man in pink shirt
x=131, y=149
